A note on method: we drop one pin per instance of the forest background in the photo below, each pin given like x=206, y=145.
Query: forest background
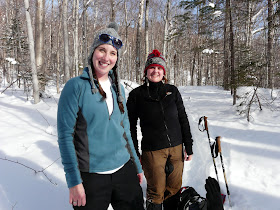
x=220, y=42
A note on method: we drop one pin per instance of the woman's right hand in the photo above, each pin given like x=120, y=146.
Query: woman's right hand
x=77, y=196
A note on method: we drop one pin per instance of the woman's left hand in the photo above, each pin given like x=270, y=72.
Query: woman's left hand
x=187, y=157
x=140, y=176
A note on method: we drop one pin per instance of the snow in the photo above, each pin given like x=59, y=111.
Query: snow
x=207, y=51
x=251, y=151
x=11, y=60
x=211, y=5
x=217, y=13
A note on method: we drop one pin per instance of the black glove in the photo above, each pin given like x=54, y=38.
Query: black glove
x=169, y=168
x=213, y=195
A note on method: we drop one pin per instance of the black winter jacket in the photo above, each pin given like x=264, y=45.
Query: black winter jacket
x=163, y=120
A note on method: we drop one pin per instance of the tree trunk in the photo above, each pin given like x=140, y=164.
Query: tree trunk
x=199, y=69
x=147, y=29
x=232, y=57
x=39, y=42
x=199, y=43
x=51, y=60
x=113, y=13
x=76, y=38
x=176, y=66
x=138, y=41
x=32, y=53
x=126, y=70
x=226, y=48
x=66, y=41
x=269, y=44
x=249, y=25
x=58, y=53
x=166, y=22
x=84, y=32
x=193, y=68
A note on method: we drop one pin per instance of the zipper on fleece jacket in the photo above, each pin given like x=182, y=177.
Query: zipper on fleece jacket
x=169, y=141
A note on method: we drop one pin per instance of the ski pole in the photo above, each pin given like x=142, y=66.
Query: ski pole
x=218, y=141
x=206, y=128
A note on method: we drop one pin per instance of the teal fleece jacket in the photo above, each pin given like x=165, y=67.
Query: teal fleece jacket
x=89, y=139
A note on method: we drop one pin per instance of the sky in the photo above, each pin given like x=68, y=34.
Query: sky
x=32, y=176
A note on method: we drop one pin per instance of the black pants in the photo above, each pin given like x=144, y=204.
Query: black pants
x=121, y=189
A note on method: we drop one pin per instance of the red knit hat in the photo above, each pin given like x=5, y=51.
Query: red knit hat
x=155, y=59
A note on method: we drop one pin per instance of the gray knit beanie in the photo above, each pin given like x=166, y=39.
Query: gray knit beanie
x=155, y=58
x=112, y=30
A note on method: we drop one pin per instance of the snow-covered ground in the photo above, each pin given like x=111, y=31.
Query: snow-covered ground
x=32, y=176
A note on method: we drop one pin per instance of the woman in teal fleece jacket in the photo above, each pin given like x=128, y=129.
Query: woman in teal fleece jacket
x=98, y=155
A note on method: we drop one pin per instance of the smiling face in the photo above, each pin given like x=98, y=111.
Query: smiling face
x=155, y=73
x=104, y=59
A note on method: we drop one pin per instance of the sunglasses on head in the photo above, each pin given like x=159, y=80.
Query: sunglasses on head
x=117, y=43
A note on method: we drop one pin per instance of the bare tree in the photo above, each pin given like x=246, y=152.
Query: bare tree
x=84, y=31
x=166, y=22
x=39, y=42
x=147, y=29
x=138, y=41
x=113, y=12
x=66, y=41
x=76, y=37
x=253, y=29
x=269, y=43
x=126, y=70
x=232, y=56
x=226, y=47
x=57, y=50
x=32, y=53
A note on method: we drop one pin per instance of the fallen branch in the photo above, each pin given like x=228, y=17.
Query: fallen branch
x=35, y=171
x=9, y=86
x=14, y=206
x=43, y=117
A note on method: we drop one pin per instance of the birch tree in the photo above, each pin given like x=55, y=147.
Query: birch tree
x=147, y=29
x=32, y=53
x=39, y=42
x=84, y=31
x=166, y=22
x=66, y=41
x=76, y=37
x=57, y=50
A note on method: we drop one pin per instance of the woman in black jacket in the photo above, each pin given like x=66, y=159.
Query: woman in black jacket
x=166, y=137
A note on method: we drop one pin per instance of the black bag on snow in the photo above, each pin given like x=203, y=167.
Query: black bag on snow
x=189, y=199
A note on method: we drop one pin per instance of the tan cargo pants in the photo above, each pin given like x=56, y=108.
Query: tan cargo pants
x=160, y=187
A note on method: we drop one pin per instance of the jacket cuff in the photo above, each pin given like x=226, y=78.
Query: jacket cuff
x=188, y=148
x=73, y=178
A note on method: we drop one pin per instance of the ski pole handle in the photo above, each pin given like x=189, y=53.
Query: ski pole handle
x=205, y=123
x=218, y=141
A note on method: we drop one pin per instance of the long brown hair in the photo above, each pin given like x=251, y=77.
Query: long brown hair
x=115, y=81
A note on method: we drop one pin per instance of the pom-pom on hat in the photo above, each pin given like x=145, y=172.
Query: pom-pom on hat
x=155, y=58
